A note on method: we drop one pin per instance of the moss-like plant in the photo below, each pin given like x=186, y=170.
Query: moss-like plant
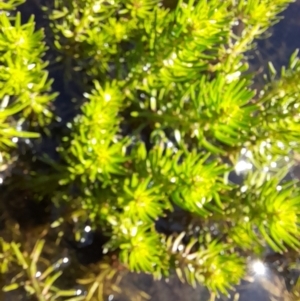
x=24, y=83
x=168, y=118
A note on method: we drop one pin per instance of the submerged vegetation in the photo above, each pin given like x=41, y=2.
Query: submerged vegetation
x=158, y=156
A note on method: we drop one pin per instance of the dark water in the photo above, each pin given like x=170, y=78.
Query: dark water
x=284, y=40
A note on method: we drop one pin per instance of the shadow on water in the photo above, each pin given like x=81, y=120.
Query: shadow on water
x=277, y=49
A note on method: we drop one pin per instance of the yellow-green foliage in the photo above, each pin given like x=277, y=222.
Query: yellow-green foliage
x=24, y=83
x=169, y=111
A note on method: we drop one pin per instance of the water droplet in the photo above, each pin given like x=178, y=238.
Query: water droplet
x=133, y=231
x=87, y=229
x=199, y=205
x=21, y=41
x=15, y=139
x=30, y=66
x=110, y=297
x=168, y=62
x=249, y=154
x=96, y=7
x=152, y=98
x=242, y=166
x=233, y=76
x=107, y=97
x=280, y=145
x=243, y=151
x=170, y=144
x=196, y=132
x=5, y=101
x=244, y=188
x=258, y=267
x=147, y=67
x=38, y=274
x=180, y=247
x=246, y=219
x=173, y=180
x=177, y=135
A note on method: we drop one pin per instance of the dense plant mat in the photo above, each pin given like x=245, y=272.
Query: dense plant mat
x=151, y=152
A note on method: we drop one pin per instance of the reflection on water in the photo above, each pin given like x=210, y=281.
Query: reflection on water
x=260, y=287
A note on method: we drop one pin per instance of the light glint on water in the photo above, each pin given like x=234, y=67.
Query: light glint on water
x=258, y=267
x=242, y=166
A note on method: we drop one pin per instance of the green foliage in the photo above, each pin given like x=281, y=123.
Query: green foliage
x=22, y=70
x=10, y=4
x=24, y=84
x=168, y=113
x=268, y=212
x=212, y=266
x=183, y=79
x=94, y=153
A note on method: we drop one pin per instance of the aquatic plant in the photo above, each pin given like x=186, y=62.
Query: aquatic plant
x=170, y=132
x=25, y=90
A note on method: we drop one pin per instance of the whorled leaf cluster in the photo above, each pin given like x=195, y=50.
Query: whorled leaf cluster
x=25, y=89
